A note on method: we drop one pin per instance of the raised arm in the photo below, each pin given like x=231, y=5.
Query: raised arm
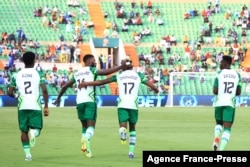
x=45, y=98
x=109, y=71
x=62, y=91
x=238, y=90
x=95, y=83
x=115, y=69
x=11, y=91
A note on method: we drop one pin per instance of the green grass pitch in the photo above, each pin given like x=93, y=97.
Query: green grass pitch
x=157, y=129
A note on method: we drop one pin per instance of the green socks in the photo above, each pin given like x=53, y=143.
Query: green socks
x=224, y=139
x=132, y=141
x=26, y=148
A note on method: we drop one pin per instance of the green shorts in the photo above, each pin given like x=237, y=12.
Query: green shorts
x=30, y=119
x=127, y=115
x=224, y=113
x=86, y=111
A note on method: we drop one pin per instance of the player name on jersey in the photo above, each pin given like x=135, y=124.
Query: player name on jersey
x=229, y=76
x=26, y=75
x=128, y=77
x=82, y=73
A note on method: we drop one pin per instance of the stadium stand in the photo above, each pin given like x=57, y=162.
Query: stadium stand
x=20, y=14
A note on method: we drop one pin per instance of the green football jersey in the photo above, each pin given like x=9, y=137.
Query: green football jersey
x=128, y=84
x=86, y=94
x=27, y=81
x=226, y=81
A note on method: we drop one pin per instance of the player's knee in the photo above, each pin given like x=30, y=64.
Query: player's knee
x=219, y=122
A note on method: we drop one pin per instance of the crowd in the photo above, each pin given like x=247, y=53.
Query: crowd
x=197, y=55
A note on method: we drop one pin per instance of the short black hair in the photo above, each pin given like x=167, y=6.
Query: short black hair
x=29, y=57
x=87, y=57
x=227, y=59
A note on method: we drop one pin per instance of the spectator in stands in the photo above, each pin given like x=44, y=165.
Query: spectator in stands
x=173, y=40
x=45, y=21
x=158, y=50
x=90, y=24
x=54, y=69
x=120, y=13
x=36, y=44
x=115, y=34
x=106, y=33
x=75, y=3
x=2, y=81
x=151, y=18
x=159, y=21
x=187, y=51
x=157, y=12
x=193, y=55
x=63, y=55
x=186, y=15
x=109, y=61
x=61, y=38
x=19, y=35
x=101, y=61
x=40, y=12
x=46, y=10
x=160, y=59
x=11, y=38
x=69, y=27
x=11, y=58
x=39, y=68
x=4, y=37
x=168, y=47
x=153, y=49
x=83, y=11
x=132, y=14
x=141, y=57
x=115, y=27
x=185, y=39
x=55, y=9
x=70, y=3
x=136, y=37
x=71, y=52
x=104, y=62
x=162, y=41
x=146, y=32
x=35, y=13
x=24, y=38
x=138, y=21
x=124, y=28
x=150, y=4
x=77, y=54
x=133, y=4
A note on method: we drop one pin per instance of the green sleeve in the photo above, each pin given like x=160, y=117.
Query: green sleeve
x=42, y=77
x=72, y=79
x=143, y=78
x=94, y=70
x=113, y=78
x=240, y=82
x=13, y=81
x=216, y=83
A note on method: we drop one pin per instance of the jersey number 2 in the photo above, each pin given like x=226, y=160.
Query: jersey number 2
x=228, y=87
x=128, y=87
x=27, y=85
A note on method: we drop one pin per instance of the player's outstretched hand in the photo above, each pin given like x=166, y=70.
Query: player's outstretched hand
x=46, y=112
x=156, y=91
x=57, y=102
